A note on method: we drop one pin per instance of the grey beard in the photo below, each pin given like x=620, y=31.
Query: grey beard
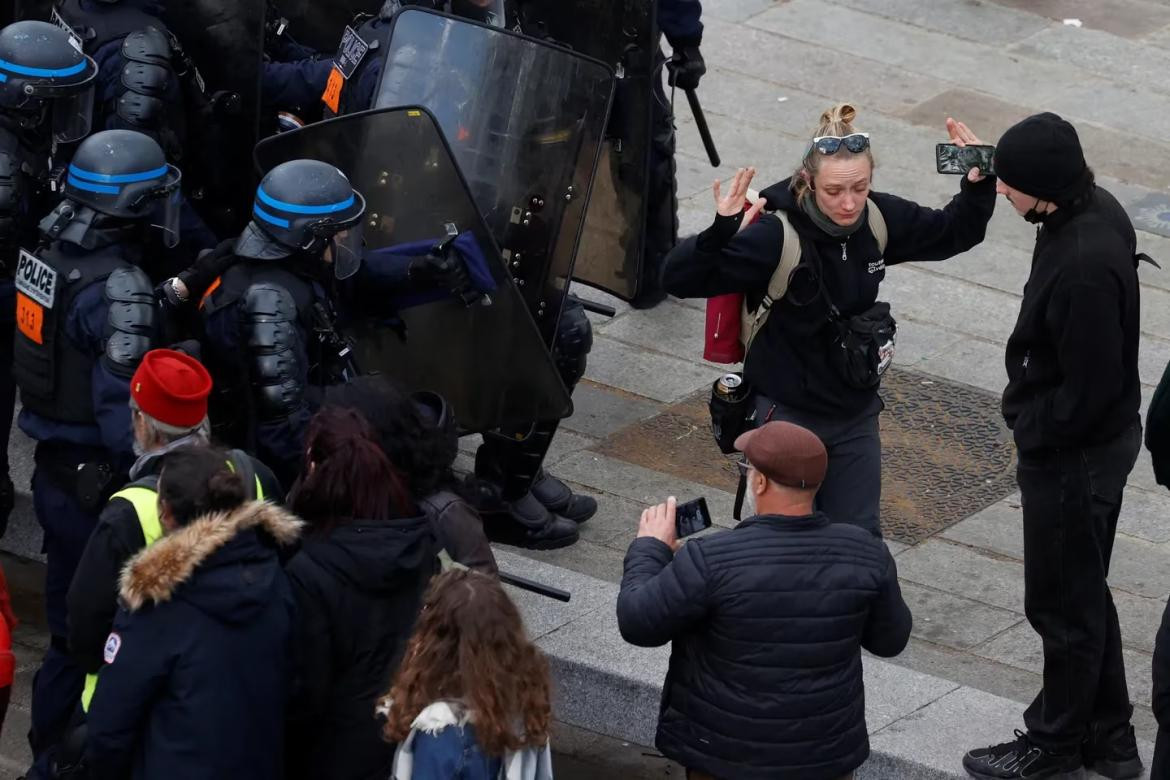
x=138, y=449
x=749, y=504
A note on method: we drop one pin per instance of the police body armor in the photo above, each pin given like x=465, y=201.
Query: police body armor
x=153, y=59
x=374, y=33
x=24, y=176
x=276, y=309
x=53, y=374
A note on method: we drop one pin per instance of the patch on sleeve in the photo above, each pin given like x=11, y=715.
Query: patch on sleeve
x=113, y=645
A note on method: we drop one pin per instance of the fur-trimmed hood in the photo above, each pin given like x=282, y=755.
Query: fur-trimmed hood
x=213, y=541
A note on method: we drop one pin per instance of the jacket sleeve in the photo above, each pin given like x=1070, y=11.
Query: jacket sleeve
x=659, y=597
x=1161, y=676
x=93, y=594
x=130, y=681
x=922, y=234
x=887, y=630
x=1085, y=319
x=720, y=260
x=296, y=85
x=85, y=326
x=459, y=529
x=680, y=21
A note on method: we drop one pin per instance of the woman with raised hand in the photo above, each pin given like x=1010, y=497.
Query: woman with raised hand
x=818, y=357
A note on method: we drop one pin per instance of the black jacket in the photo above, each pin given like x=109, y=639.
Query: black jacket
x=767, y=623
x=195, y=678
x=1161, y=697
x=358, y=589
x=1072, y=360
x=789, y=360
x=92, y=600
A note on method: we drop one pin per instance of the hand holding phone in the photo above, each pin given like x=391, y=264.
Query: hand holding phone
x=952, y=158
x=963, y=138
x=691, y=517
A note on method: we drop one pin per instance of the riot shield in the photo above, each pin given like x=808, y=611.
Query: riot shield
x=525, y=121
x=224, y=40
x=489, y=361
x=623, y=34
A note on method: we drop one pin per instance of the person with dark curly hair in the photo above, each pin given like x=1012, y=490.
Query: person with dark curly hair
x=358, y=579
x=417, y=433
x=471, y=698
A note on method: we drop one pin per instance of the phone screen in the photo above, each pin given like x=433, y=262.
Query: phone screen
x=960, y=159
x=691, y=517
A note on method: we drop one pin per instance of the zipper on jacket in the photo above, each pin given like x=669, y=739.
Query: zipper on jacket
x=844, y=253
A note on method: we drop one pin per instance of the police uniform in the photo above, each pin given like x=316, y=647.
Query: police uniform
x=86, y=315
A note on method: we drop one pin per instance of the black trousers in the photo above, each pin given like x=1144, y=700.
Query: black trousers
x=1071, y=500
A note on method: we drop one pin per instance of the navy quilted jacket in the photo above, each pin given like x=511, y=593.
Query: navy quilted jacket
x=767, y=622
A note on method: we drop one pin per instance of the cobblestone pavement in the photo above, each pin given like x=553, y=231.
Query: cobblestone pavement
x=774, y=65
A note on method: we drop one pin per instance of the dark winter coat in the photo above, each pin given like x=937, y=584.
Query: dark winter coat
x=358, y=590
x=790, y=360
x=195, y=678
x=93, y=595
x=767, y=622
x=1161, y=698
x=459, y=530
x=1072, y=360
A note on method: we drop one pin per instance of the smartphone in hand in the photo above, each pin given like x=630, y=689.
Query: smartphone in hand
x=952, y=158
x=691, y=517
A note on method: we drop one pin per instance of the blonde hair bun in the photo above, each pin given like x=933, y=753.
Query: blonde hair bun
x=838, y=120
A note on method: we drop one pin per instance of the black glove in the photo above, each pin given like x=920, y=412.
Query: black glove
x=443, y=271
x=686, y=67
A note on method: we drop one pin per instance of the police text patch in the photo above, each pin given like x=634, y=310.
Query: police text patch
x=36, y=279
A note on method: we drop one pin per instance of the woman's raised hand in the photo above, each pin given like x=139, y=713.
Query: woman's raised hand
x=732, y=204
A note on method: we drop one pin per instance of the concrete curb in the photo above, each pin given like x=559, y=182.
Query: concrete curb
x=920, y=725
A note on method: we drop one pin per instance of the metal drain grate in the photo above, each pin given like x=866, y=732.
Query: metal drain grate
x=946, y=453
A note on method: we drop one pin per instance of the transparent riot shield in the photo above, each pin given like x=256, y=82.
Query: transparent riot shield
x=525, y=120
x=624, y=35
x=224, y=41
x=489, y=361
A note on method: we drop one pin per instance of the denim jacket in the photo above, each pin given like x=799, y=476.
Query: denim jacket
x=442, y=746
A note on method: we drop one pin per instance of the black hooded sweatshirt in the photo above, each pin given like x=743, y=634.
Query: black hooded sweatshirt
x=1072, y=360
x=358, y=588
x=789, y=360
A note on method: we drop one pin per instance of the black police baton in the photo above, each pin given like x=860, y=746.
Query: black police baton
x=701, y=124
x=535, y=587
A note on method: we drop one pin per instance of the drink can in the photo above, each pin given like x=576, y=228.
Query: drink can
x=729, y=386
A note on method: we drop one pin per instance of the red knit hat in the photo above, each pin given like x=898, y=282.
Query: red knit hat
x=172, y=387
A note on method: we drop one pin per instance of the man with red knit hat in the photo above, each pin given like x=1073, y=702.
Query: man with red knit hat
x=168, y=403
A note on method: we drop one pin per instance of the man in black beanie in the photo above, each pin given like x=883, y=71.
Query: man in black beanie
x=1072, y=403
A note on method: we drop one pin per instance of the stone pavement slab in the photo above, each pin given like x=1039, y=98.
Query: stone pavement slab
x=1131, y=18
x=599, y=410
x=1099, y=52
x=973, y=21
x=973, y=362
x=649, y=374
x=953, y=621
x=965, y=571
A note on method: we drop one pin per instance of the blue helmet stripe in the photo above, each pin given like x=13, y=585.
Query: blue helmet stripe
x=23, y=70
x=117, y=178
x=104, y=189
x=264, y=215
x=294, y=208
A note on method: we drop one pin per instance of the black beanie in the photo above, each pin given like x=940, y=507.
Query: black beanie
x=1041, y=156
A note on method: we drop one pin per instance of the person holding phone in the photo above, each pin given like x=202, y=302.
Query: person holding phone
x=788, y=590
x=848, y=235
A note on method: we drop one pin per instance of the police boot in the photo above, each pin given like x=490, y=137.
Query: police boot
x=560, y=500
x=511, y=513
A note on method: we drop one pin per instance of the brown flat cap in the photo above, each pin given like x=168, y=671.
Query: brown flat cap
x=785, y=453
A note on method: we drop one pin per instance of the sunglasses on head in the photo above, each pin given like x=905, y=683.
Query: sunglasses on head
x=743, y=467
x=831, y=144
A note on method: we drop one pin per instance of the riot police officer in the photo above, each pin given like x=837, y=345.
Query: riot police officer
x=45, y=98
x=86, y=314
x=272, y=318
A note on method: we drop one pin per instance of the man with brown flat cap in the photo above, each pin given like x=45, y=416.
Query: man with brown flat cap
x=767, y=621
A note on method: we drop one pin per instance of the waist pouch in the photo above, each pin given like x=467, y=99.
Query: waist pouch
x=91, y=483
x=864, y=346
x=729, y=414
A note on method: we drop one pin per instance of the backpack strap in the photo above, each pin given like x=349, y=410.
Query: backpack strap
x=241, y=464
x=753, y=321
x=877, y=226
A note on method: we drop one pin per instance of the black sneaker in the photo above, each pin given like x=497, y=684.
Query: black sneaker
x=1112, y=752
x=560, y=500
x=1020, y=758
